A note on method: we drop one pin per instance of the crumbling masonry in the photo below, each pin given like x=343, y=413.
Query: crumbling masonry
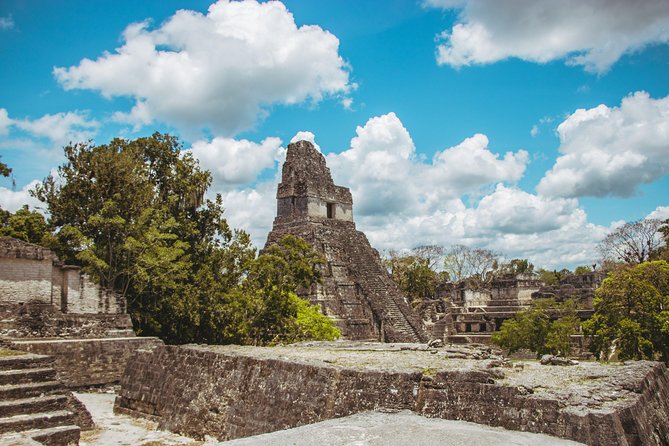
x=356, y=290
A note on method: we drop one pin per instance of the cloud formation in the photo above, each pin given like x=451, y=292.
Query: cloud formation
x=387, y=177
x=13, y=200
x=6, y=23
x=590, y=33
x=220, y=71
x=610, y=151
x=235, y=162
x=402, y=200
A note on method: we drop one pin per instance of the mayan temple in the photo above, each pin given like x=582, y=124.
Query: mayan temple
x=356, y=290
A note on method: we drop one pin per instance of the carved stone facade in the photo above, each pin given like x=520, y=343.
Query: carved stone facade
x=356, y=290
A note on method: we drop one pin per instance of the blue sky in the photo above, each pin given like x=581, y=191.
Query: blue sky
x=528, y=127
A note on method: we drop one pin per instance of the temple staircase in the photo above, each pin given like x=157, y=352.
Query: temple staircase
x=35, y=408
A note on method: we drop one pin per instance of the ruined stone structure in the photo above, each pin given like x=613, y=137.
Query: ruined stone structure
x=53, y=309
x=356, y=290
x=47, y=308
x=32, y=273
x=243, y=391
x=462, y=313
x=35, y=408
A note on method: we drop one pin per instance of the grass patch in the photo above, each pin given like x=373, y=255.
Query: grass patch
x=8, y=352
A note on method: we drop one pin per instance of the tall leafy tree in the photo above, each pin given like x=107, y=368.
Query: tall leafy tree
x=133, y=215
x=632, y=313
x=24, y=224
x=416, y=273
x=476, y=264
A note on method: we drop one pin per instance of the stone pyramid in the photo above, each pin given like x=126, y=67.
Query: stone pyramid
x=356, y=290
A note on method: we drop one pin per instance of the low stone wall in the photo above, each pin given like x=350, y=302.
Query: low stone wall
x=231, y=392
x=88, y=362
x=35, y=319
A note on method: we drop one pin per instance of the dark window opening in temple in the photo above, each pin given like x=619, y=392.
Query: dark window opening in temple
x=482, y=327
x=330, y=210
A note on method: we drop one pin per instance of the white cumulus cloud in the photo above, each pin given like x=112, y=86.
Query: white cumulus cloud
x=6, y=22
x=610, y=151
x=5, y=122
x=60, y=128
x=13, y=200
x=660, y=213
x=591, y=33
x=387, y=177
x=220, y=70
x=306, y=136
x=233, y=161
x=401, y=200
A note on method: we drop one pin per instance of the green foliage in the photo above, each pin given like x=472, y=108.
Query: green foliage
x=274, y=312
x=580, y=270
x=5, y=170
x=554, y=277
x=24, y=224
x=312, y=324
x=558, y=339
x=414, y=275
x=662, y=253
x=632, y=313
x=532, y=329
x=515, y=267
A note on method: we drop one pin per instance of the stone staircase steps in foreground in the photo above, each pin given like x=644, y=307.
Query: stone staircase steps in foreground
x=35, y=408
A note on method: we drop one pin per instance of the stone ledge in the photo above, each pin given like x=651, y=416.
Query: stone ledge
x=232, y=392
x=88, y=362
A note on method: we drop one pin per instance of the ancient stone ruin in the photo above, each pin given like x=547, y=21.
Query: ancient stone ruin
x=469, y=313
x=356, y=290
x=75, y=333
x=243, y=391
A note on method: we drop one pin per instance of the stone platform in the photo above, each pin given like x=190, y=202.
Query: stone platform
x=231, y=392
x=84, y=362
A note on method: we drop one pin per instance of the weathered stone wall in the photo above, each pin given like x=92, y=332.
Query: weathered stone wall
x=36, y=319
x=88, y=362
x=31, y=273
x=22, y=280
x=234, y=392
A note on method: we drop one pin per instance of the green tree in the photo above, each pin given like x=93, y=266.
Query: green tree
x=416, y=273
x=133, y=215
x=526, y=330
x=632, y=313
x=277, y=314
x=24, y=224
x=533, y=329
x=515, y=267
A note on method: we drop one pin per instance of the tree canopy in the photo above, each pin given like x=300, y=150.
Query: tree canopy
x=134, y=215
x=631, y=316
x=416, y=273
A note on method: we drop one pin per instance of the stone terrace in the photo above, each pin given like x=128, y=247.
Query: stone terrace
x=232, y=392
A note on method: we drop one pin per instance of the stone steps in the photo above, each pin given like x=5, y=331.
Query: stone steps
x=31, y=405
x=53, y=436
x=28, y=390
x=41, y=420
x=21, y=376
x=34, y=406
x=372, y=272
